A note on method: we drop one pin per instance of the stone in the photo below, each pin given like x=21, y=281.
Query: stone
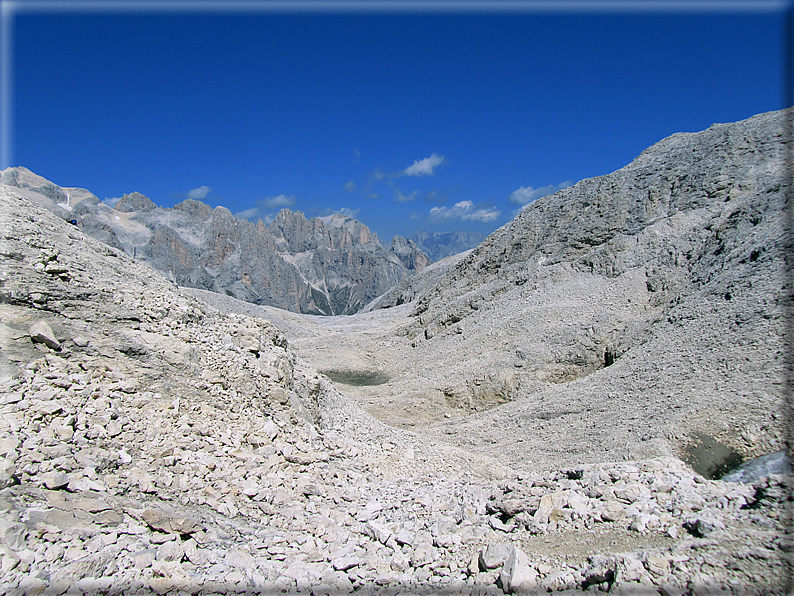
x=41, y=332
x=703, y=526
x=612, y=511
x=170, y=551
x=345, y=563
x=240, y=559
x=517, y=575
x=144, y=558
x=168, y=576
x=12, y=534
x=494, y=555
x=379, y=531
x=7, y=445
x=80, y=341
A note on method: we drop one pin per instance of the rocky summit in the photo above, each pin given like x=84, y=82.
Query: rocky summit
x=550, y=412
x=329, y=265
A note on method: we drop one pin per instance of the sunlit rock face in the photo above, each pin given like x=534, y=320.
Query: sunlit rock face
x=329, y=265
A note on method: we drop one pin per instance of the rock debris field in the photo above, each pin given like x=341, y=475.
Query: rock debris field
x=151, y=443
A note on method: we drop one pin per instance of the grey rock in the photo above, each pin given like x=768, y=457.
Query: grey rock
x=55, y=480
x=329, y=265
x=493, y=556
x=345, y=563
x=12, y=534
x=759, y=467
x=41, y=332
x=170, y=551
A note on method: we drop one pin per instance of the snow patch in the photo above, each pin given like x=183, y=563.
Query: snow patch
x=66, y=204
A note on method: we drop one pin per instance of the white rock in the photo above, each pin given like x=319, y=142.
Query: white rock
x=41, y=332
x=517, y=574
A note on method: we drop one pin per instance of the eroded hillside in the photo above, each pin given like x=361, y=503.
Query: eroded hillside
x=153, y=443
x=620, y=317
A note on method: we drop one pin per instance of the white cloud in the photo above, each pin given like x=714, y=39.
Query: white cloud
x=350, y=186
x=424, y=167
x=248, y=213
x=328, y=213
x=402, y=198
x=465, y=211
x=525, y=195
x=111, y=202
x=265, y=205
x=279, y=202
x=199, y=193
x=353, y=213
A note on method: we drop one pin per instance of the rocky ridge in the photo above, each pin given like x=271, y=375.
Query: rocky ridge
x=330, y=265
x=153, y=444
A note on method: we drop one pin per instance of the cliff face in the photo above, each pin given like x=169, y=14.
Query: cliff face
x=328, y=266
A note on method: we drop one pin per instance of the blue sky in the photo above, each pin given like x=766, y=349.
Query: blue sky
x=441, y=119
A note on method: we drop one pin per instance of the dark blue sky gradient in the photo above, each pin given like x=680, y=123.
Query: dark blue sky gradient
x=261, y=105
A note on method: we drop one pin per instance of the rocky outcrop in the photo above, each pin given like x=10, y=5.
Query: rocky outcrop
x=417, y=285
x=150, y=444
x=134, y=202
x=330, y=265
x=409, y=253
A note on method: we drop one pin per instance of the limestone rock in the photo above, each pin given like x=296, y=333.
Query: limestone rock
x=41, y=332
x=517, y=574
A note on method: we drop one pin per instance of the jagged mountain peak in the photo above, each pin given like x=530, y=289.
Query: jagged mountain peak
x=326, y=267
x=134, y=201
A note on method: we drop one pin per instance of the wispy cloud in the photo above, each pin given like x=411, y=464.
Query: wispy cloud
x=248, y=213
x=400, y=197
x=376, y=176
x=465, y=211
x=424, y=167
x=199, y=193
x=279, y=202
x=327, y=213
x=111, y=201
x=347, y=212
x=266, y=208
x=350, y=186
x=525, y=195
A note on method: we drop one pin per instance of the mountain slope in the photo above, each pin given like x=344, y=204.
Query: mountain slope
x=330, y=265
x=150, y=443
x=625, y=316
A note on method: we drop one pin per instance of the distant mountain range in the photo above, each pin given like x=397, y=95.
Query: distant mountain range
x=438, y=245
x=330, y=265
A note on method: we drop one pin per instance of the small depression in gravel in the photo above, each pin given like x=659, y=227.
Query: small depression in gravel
x=357, y=378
